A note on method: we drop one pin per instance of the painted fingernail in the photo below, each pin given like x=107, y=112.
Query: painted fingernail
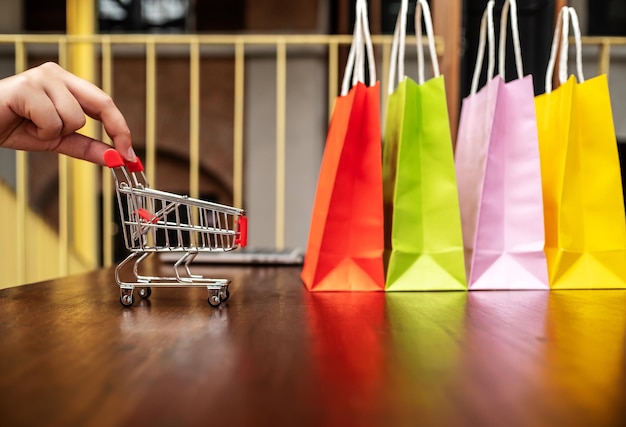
x=130, y=155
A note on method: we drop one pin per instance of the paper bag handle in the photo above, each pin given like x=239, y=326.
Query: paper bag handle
x=486, y=31
x=399, y=42
x=355, y=66
x=422, y=9
x=562, y=26
x=509, y=8
x=397, y=47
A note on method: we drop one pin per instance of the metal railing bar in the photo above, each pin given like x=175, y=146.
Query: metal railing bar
x=211, y=39
x=599, y=40
x=194, y=119
x=604, y=60
x=64, y=182
x=21, y=170
x=333, y=76
x=107, y=179
x=238, y=124
x=151, y=111
x=281, y=96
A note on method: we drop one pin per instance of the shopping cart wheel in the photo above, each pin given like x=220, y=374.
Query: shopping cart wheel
x=224, y=294
x=145, y=292
x=214, y=298
x=127, y=300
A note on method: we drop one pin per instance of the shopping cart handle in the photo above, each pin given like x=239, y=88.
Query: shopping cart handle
x=145, y=216
x=113, y=159
x=242, y=237
x=135, y=166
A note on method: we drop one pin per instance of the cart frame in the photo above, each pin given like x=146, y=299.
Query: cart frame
x=156, y=221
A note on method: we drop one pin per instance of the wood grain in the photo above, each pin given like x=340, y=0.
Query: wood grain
x=71, y=355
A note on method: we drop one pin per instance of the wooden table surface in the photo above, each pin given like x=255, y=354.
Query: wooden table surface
x=274, y=354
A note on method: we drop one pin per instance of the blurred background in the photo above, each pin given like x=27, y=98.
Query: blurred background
x=228, y=101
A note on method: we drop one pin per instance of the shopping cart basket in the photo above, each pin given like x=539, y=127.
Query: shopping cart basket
x=156, y=221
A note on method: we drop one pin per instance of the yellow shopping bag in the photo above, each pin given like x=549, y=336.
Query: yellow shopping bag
x=582, y=187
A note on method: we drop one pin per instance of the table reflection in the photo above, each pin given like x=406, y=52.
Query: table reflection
x=275, y=354
x=426, y=329
x=586, y=331
x=347, y=331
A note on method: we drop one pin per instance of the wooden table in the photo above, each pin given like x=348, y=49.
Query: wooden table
x=71, y=355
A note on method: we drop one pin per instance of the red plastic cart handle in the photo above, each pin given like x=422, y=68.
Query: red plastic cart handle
x=135, y=166
x=242, y=237
x=145, y=215
x=113, y=159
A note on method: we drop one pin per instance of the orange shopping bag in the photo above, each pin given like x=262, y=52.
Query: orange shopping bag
x=345, y=246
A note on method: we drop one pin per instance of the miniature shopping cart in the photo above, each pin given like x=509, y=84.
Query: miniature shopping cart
x=156, y=221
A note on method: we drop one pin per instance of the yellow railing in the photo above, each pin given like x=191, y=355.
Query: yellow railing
x=604, y=49
x=196, y=46
x=237, y=47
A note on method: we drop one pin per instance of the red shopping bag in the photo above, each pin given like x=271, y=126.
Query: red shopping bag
x=345, y=246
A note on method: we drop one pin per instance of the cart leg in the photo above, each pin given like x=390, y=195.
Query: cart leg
x=119, y=267
x=224, y=294
x=177, y=264
x=139, y=277
x=190, y=258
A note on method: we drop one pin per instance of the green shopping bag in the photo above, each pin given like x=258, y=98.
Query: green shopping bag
x=423, y=239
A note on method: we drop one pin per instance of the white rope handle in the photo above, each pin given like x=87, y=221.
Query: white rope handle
x=354, y=63
x=358, y=74
x=562, y=29
x=368, y=44
x=399, y=42
x=345, y=85
x=579, y=50
x=422, y=8
x=397, y=47
x=563, y=17
x=510, y=7
x=355, y=66
x=486, y=31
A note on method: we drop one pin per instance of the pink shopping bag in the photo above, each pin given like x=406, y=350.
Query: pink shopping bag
x=499, y=173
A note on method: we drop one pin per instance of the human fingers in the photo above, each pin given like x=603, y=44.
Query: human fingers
x=67, y=108
x=53, y=112
x=39, y=96
x=74, y=145
x=34, y=104
x=98, y=105
x=82, y=147
x=54, y=103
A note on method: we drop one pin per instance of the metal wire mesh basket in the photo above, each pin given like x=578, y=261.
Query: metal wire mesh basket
x=157, y=221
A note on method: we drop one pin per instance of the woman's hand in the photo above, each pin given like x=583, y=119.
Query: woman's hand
x=42, y=108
